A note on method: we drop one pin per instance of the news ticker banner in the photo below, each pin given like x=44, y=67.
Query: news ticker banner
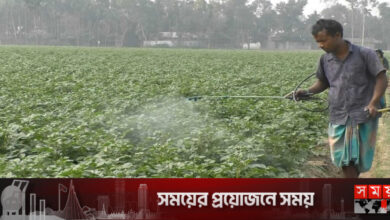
x=114, y=199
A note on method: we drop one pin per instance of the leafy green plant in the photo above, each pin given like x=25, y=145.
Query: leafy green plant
x=71, y=112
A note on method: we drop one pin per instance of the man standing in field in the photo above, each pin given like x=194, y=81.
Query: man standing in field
x=382, y=58
x=356, y=80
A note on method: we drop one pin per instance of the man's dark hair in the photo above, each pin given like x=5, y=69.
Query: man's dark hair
x=331, y=26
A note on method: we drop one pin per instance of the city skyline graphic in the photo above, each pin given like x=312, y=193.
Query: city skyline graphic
x=13, y=201
x=125, y=199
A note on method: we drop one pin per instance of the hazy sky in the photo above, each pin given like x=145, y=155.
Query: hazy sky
x=318, y=5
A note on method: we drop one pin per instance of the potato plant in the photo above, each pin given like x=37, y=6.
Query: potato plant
x=92, y=112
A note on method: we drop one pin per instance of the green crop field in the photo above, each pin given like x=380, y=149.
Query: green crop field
x=90, y=112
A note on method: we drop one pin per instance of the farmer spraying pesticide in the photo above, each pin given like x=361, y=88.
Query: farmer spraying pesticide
x=356, y=79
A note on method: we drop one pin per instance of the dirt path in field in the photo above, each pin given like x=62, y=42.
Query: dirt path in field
x=381, y=165
x=321, y=166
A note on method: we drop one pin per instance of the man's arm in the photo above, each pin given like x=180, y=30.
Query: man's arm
x=317, y=87
x=379, y=91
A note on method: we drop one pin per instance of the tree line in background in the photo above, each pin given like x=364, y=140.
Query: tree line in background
x=212, y=24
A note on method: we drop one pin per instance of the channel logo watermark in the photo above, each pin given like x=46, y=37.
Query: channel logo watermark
x=372, y=199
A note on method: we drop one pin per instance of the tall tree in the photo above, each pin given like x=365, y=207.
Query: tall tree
x=353, y=4
x=384, y=27
x=265, y=21
x=309, y=22
x=365, y=7
x=290, y=20
x=215, y=23
x=240, y=22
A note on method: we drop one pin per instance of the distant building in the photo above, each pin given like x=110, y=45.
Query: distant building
x=175, y=39
x=142, y=197
x=326, y=200
x=368, y=42
x=103, y=205
x=275, y=43
x=120, y=192
x=13, y=199
x=252, y=46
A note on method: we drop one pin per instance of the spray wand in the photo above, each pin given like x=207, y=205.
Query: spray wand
x=292, y=96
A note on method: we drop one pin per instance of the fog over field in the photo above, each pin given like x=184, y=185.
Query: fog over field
x=252, y=24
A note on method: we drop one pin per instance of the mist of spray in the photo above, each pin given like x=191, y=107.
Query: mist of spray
x=171, y=119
